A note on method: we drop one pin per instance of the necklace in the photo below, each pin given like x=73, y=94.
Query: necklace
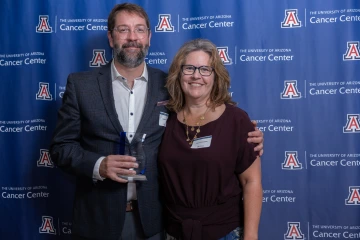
x=198, y=124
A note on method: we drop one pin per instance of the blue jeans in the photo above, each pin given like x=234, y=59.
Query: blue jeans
x=236, y=234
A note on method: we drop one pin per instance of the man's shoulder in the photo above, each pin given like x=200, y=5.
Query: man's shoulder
x=88, y=74
x=157, y=71
x=81, y=75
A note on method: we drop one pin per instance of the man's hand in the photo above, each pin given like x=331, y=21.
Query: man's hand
x=114, y=165
x=257, y=137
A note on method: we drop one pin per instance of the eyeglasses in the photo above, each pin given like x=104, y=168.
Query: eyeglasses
x=139, y=31
x=190, y=70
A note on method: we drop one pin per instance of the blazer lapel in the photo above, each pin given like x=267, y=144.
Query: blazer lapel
x=106, y=90
x=152, y=93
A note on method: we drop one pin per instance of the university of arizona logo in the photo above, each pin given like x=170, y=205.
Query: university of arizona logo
x=352, y=124
x=354, y=196
x=290, y=90
x=224, y=55
x=293, y=231
x=98, y=58
x=291, y=19
x=43, y=26
x=291, y=161
x=164, y=24
x=45, y=160
x=43, y=93
x=352, y=51
x=47, y=225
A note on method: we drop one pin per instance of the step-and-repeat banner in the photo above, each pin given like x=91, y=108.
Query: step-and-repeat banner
x=295, y=68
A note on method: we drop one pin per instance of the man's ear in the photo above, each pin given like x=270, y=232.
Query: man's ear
x=111, y=41
x=149, y=36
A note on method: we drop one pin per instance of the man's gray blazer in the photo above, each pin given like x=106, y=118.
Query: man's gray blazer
x=88, y=128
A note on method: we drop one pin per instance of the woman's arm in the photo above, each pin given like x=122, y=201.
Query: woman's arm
x=250, y=180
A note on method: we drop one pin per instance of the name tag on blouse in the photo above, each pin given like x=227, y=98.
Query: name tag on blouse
x=163, y=118
x=203, y=142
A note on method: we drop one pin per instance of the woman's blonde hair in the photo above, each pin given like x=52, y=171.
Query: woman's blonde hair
x=219, y=93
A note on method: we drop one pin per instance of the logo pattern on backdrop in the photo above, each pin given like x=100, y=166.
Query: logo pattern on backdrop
x=352, y=124
x=354, y=196
x=224, y=55
x=352, y=51
x=47, y=225
x=45, y=159
x=291, y=161
x=164, y=24
x=293, y=231
x=44, y=92
x=43, y=26
x=290, y=90
x=98, y=58
x=291, y=19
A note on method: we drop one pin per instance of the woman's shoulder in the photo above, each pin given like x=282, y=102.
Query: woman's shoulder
x=236, y=111
x=173, y=117
x=239, y=118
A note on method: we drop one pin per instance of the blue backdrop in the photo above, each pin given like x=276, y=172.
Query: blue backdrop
x=294, y=67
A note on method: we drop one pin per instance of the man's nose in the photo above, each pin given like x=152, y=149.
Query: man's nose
x=132, y=35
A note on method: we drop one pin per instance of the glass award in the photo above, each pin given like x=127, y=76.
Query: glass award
x=132, y=144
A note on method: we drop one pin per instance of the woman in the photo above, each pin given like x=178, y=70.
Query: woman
x=206, y=164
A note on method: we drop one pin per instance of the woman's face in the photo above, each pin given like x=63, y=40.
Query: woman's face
x=196, y=86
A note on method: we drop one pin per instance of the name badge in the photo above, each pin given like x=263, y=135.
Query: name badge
x=163, y=118
x=203, y=142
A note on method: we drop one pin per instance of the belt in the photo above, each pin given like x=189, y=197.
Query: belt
x=131, y=205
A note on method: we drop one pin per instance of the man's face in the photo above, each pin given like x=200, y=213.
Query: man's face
x=130, y=47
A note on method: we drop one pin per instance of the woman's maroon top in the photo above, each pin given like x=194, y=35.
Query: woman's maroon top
x=201, y=187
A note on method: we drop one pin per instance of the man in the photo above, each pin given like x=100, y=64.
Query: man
x=124, y=96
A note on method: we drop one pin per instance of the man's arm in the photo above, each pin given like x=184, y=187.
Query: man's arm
x=66, y=150
x=257, y=137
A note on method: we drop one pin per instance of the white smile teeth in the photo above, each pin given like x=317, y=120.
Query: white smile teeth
x=195, y=84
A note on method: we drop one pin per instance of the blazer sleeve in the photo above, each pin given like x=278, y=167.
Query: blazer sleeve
x=65, y=148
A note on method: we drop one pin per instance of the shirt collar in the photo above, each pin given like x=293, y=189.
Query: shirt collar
x=115, y=75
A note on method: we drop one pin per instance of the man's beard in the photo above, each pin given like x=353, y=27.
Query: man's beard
x=130, y=60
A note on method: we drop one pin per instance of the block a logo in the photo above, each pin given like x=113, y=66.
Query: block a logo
x=291, y=161
x=164, y=24
x=45, y=160
x=44, y=93
x=290, y=90
x=47, y=225
x=293, y=231
x=352, y=51
x=354, y=196
x=291, y=19
x=352, y=124
x=43, y=26
x=98, y=58
x=224, y=55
